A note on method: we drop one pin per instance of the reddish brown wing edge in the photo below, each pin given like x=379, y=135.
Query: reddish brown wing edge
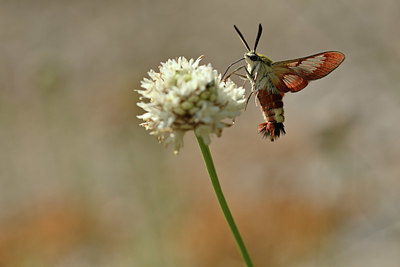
x=294, y=75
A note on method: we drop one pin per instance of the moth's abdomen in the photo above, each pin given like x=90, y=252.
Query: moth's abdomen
x=272, y=108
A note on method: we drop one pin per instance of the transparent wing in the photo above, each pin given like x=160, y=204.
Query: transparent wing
x=293, y=75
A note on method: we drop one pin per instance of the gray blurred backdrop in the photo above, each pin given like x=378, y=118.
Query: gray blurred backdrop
x=81, y=184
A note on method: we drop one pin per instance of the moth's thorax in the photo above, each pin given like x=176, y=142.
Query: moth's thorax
x=259, y=70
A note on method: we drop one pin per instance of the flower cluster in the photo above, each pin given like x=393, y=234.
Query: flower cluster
x=185, y=96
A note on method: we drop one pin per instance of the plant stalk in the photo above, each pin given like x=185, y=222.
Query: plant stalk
x=222, y=202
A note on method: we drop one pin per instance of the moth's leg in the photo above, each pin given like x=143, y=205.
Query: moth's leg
x=249, y=76
x=234, y=72
x=255, y=101
x=253, y=73
x=241, y=76
x=252, y=80
x=245, y=77
x=237, y=61
x=248, y=98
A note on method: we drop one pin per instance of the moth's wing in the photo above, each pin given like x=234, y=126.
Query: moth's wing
x=293, y=75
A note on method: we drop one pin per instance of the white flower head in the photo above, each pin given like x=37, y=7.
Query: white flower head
x=184, y=96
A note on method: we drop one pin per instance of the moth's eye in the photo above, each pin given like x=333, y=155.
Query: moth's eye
x=253, y=57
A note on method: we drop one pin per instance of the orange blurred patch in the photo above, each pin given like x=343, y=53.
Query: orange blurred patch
x=43, y=233
x=277, y=233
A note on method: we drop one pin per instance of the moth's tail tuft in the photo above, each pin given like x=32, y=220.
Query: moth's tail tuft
x=262, y=129
x=273, y=130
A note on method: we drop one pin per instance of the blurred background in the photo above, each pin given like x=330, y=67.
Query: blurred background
x=82, y=184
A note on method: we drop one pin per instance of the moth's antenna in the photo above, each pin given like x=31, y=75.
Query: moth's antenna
x=258, y=36
x=241, y=37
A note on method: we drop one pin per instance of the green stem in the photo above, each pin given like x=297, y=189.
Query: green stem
x=222, y=202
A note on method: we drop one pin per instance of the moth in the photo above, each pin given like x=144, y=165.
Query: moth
x=271, y=80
